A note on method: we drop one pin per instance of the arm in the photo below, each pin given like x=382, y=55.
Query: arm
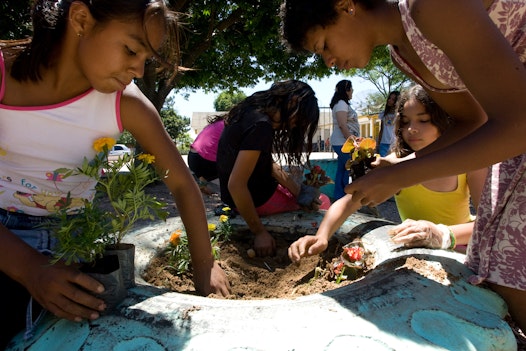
x=61, y=289
x=334, y=217
x=285, y=179
x=264, y=243
x=483, y=117
x=142, y=120
x=341, y=120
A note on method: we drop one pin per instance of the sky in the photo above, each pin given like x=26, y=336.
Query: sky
x=200, y=101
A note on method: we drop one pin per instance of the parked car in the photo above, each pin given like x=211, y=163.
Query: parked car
x=119, y=150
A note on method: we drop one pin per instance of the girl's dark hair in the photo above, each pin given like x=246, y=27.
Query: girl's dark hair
x=340, y=93
x=299, y=16
x=391, y=109
x=49, y=27
x=291, y=98
x=439, y=118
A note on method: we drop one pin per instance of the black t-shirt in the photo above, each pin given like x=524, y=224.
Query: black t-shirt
x=252, y=131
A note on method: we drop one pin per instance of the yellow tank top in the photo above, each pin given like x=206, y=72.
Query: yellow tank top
x=418, y=202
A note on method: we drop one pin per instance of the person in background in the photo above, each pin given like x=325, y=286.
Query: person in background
x=202, y=158
x=386, y=135
x=68, y=86
x=484, y=97
x=268, y=128
x=345, y=125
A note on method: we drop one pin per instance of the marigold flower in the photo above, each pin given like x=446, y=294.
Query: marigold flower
x=175, y=238
x=223, y=218
x=367, y=143
x=102, y=143
x=149, y=159
x=226, y=209
x=211, y=227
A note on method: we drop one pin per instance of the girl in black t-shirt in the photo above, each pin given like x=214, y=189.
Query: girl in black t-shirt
x=268, y=128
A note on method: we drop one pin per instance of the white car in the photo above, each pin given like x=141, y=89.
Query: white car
x=119, y=150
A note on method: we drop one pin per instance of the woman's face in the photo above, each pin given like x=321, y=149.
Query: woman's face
x=417, y=129
x=343, y=44
x=349, y=93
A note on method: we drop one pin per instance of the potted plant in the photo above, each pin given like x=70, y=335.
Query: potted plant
x=362, y=151
x=93, y=231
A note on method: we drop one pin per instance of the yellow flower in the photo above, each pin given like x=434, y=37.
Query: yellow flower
x=348, y=146
x=175, y=238
x=223, y=218
x=226, y=209
x=100, y=143
x=149, y=159
x=211, y=227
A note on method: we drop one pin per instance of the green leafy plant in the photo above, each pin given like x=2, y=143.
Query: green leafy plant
x=177, y=250
x=83, y=234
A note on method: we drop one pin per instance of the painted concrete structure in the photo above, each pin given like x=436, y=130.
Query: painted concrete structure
x=392, y=308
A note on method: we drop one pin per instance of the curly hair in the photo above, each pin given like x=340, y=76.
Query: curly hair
x=300, y=16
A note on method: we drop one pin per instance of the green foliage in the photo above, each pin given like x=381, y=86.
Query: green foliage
x=227, y=99
x=227, y=45
x=16, y=20
x=178, y=252
x=382, y=72
x=84, y=235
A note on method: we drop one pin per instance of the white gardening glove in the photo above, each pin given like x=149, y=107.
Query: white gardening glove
x=421, y=233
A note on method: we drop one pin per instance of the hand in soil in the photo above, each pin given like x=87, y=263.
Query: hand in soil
x=307, y=245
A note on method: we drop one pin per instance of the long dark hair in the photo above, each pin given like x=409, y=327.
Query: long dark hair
x=291, y=98
x=439, y=117
x=391, y=109
x=340, y=93
x=49, y=27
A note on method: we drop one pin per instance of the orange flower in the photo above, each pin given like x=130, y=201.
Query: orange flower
x=103, y=144
x=367, y=143
x=175, y=238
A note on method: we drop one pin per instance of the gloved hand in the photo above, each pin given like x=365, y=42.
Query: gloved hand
x=421, y=233
x=309, y=197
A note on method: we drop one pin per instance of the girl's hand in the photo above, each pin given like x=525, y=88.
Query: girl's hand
x=65, y=291
x=264, y=244
x=211, y=280
x=420, y=233
x=305, y=246
x=373, y=188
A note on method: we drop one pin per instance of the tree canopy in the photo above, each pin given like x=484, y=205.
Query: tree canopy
x=225, y=45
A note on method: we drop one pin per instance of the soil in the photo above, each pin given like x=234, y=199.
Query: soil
x=277, y=276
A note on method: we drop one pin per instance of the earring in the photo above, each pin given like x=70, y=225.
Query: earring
x=351, y=12
x=79, y=34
